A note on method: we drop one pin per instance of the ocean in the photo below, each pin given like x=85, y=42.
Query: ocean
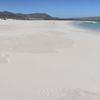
x=95, y=25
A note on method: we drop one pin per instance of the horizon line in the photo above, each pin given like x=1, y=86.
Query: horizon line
x=41, y=12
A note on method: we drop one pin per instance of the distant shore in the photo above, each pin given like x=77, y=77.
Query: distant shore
x=41, y=16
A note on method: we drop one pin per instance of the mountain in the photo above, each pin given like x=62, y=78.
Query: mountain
x=9, y=15
x=36, y=16
x=40, y=16
x=20, y=16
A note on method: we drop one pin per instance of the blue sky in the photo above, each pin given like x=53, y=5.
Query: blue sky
x=60, y=8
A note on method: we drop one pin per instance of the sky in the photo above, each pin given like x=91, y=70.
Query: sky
x=59, y=8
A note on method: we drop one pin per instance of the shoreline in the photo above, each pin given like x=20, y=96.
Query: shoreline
x=87, y=29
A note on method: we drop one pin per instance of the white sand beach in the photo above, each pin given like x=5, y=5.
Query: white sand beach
x=47, y=54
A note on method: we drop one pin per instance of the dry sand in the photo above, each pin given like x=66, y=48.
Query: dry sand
x=47, y=54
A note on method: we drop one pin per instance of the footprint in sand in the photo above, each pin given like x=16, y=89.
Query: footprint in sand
x=4, y=58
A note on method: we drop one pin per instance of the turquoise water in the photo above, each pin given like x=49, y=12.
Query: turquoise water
x=90, y=24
